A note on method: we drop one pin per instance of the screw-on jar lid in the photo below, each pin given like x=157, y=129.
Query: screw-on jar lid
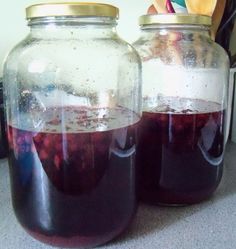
x=71, y=9
x=190, y=19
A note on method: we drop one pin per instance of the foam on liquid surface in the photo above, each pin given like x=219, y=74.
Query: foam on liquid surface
x=75, y=119
x=178, y=105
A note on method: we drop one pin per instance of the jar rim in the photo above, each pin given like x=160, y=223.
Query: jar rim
x=188, y=19
x=82, y=9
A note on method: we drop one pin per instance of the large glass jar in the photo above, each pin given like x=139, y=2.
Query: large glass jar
x=182, y=131
x=73, y=96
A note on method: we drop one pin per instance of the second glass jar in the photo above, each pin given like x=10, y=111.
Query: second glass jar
x=182, y=132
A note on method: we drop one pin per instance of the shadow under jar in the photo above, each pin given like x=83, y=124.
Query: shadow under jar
x=73, y=103
x=182, y=130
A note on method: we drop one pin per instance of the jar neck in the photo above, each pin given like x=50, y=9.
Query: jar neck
x=185, y=29
x=73, y=27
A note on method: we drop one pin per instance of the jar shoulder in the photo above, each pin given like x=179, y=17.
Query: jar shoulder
x=175, y=50
x=77, y=51
x=14, y=54
x=100, y=62
x=105, y=46
x=221, y=53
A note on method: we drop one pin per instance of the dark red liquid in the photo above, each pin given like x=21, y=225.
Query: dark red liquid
x=180, y=155
x=73, y=189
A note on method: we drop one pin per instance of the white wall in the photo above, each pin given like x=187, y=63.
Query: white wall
x=13, y=26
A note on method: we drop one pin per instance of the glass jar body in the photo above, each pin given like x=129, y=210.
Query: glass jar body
x=182, y=132
x=72, y=134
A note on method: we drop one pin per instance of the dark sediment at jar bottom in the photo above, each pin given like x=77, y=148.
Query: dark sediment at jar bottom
x=73, y=242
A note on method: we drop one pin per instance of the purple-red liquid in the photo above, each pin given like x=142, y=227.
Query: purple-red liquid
x=76, y=188
x=180, y=153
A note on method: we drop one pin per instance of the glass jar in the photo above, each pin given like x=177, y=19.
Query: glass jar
x=182, y=130
x=73, y=98
x=3, y=138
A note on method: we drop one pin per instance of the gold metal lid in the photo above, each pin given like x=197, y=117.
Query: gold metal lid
x=71, y=9
x=175, y=19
